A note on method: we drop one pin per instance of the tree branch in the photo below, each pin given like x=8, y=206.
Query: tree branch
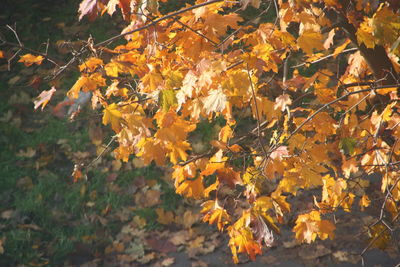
x=154, y=22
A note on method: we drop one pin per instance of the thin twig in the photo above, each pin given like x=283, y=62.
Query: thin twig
x=102, y=152
x=45, y=55
x=195, y=31
x=326, y=57
x=257, y=113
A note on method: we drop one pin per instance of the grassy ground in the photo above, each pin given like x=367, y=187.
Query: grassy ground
x=46, y=218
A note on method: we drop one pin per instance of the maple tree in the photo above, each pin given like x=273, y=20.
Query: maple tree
x=307, y=93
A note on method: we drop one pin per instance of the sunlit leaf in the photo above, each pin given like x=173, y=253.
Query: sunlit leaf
x=30, y=59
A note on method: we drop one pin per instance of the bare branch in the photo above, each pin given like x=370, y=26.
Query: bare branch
x=326, y=57
x=154, y=22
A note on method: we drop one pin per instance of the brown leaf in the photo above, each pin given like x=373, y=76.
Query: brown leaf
x=7, y=214
x=161, y=245
x=152, y=197
x=168, y=261
x=179, y=238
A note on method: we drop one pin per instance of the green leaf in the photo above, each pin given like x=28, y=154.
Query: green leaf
x=167, y=98
x=347, y=145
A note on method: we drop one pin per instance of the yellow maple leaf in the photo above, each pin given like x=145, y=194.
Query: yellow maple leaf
x=191, y=188
x=310, y=40
x=364, y=202
x=242, y=239
x=112, y=114
x=86, y=83
x=151, y=149
x=364, y=34
x=30, y=59
x=282, y=101
x=91, y=64
x=379, y=235
x=386, y=25
x=225, y=133
x=214, y=164
x=177, y=150
x=326, y=229
x=309, y=226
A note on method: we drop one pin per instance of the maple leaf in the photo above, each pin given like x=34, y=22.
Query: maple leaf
x=261, y=231
x=191, y=188
x=310, y=40
x=282, y=102
x=216, y=162
x=164, y=217
x=88, y=8
x=364, y=202
x=91, y=64
x=279, y=153
x=112, y=115
x=241, y=238
x=225, y=133
x=86, y=83
x=178, y=150
x=214, y=102
x=386, y=25
x=309, y=226
x=329, y=41
x=213, y=212
x=30, y=59
x=151, y=149
x=44, y=98
x=364, y=34
x=167, y=99
x=229, y=177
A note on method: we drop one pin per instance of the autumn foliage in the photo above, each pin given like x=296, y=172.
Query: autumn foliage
x=306, y=92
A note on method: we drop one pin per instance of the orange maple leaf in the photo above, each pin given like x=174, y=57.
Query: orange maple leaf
x=213, y=212
x=30, y=59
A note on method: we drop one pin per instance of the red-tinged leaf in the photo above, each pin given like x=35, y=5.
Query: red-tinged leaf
x=44, y=98
x=242, y=241
x=279, y=153
x=261, y=231
x=229, y=176
x=88, y=8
